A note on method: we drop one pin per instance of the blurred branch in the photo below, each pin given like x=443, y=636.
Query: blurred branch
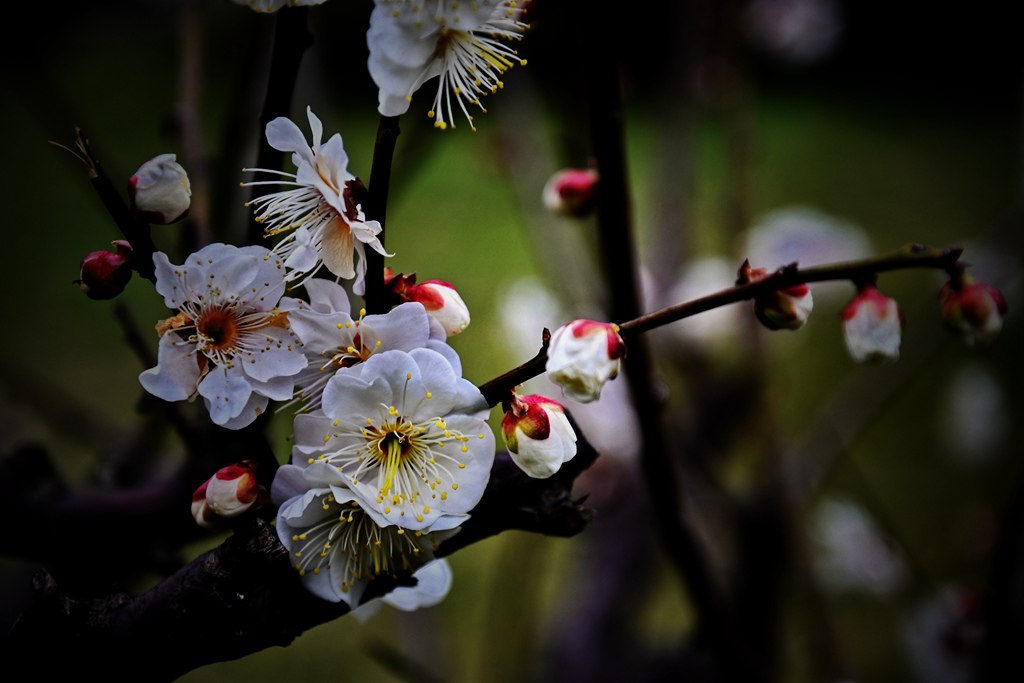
x=189, y=106
x=291, y=39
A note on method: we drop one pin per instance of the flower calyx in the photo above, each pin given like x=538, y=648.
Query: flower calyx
x=104, y=274
x=784, y=309
x=228, y=494
x=972, y=308
x=538, y=435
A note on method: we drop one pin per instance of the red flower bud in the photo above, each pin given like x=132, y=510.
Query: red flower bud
x=227, y=494
x=974, y=309
x=572, y=192
x=786, y=308
x=105, y=273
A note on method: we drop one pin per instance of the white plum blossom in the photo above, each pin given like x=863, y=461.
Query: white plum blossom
x=327, y=227
x=333, y=340
x=228, y=343
x=873, y=327
x=412, y=41
x=406, y=432
x=160, y=190
x=538, y=435
x=274, y=5
x=582, y=356
x=337, y=542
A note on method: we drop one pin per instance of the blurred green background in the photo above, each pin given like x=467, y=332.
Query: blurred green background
x=909, y=127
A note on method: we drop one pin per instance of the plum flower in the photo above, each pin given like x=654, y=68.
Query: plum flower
x=407, y=434
x=228, y=343
x=333, y=340
x=160, y=191
x=328, y=225
x=873, y=327
x=412, y=41
x=337, y=542
x=583, y=355
x=538, y=435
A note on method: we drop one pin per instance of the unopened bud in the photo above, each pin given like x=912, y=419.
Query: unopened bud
x=442, y=302
x=582, y=356
x=160, y=191
x=105, y=273
x=538, y=435
x=572, y=192
x=784, y=309
x=227, y=494
x=974, y=309
x=872, y=327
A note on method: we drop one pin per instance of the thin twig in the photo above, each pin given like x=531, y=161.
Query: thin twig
x=135, y=230
x=912, y=256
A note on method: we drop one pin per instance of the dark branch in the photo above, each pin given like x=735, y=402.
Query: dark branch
x=377, y=300
x=244, y=596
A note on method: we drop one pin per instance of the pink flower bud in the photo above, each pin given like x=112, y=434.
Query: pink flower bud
x=160, y=191
x=572, y=192
x=227, y=494
x=105, y=273
x=974, y=309
x=784, y=309
x=443, y=303
x=872, y=326
x=538, y=435
x=582, y=356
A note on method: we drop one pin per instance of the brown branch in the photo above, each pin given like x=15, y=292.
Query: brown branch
x=912, y=256
x=134, y=229
x=388, y=130
x=245, y=596
x=291, y=39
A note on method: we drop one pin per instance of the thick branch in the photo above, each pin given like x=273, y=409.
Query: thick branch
x=245, y=596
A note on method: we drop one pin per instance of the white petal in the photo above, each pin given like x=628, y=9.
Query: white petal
x=315, y=127
x=176, y=373
x=326, y=296
x=227, y=393
x=284, y=136
x=350, y=398
x=274, y=362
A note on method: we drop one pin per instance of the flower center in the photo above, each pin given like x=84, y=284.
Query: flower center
x=219, y=329
x=365, y=548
